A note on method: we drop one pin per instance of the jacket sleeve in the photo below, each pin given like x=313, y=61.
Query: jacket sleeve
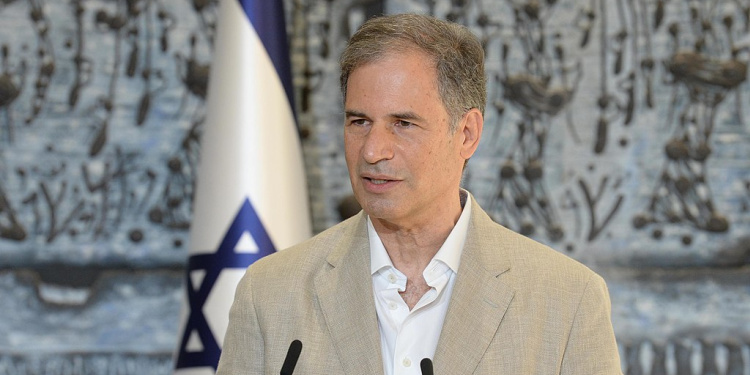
x=591, y=348
x=242, y=352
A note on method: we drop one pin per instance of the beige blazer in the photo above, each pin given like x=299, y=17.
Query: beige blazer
x=517, y=308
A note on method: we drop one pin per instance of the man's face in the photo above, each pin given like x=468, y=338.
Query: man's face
x=404, y=162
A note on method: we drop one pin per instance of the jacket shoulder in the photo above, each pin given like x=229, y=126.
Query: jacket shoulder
x=528, y=258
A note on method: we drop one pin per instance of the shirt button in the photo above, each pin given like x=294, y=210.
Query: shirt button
x=406, y=362
x=392, y=305
x=391, y=278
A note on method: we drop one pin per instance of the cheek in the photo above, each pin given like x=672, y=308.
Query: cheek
x=350, y=146
x=444, y=157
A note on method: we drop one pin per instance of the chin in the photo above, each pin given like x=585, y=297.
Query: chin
x=379, y=209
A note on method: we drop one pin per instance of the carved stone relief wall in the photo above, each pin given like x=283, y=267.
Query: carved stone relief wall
x=615, y=132
x=101, y=106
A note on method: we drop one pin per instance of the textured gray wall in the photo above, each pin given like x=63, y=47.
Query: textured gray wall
x=615, y=131
x=101, y=105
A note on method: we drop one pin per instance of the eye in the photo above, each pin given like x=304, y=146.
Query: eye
x=404, y=123
x=358, y=122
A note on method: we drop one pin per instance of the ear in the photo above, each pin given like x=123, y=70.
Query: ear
x=471, y=130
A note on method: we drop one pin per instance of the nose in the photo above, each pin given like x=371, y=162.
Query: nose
x=378, y=144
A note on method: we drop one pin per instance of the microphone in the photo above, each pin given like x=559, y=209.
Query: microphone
x=426, y=366
x=292, y=355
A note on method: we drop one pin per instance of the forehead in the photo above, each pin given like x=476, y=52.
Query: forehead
x=407, y=70
x=394, y=85
x=408, y=64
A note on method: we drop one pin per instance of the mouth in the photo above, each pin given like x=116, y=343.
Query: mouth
x=377, y=181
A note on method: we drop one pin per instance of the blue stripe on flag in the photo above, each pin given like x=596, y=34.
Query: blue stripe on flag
x=267, y=17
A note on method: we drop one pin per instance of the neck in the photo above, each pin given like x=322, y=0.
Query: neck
x=411, y=246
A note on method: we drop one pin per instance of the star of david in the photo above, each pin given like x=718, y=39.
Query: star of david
x=212, y=264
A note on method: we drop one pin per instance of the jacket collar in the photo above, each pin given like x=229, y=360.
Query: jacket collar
x=481, y=296
x=347, y=282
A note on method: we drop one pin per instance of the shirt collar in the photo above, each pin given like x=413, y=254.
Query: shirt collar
x=449, y=253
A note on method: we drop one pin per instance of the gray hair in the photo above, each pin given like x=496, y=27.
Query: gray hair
x=457, y=53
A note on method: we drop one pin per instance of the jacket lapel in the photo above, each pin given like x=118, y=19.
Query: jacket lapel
x=480, y=298
x=345, y=296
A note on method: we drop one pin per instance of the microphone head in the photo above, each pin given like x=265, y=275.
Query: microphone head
x=292, y=355
x=426, y=366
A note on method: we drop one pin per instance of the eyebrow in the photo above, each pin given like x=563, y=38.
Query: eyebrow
x=355, y=114
x=407, y=116
x=401, y=115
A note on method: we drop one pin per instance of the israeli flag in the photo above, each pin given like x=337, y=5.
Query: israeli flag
x=251, y=195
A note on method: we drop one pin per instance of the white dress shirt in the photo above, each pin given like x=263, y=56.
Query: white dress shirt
x=407, y=337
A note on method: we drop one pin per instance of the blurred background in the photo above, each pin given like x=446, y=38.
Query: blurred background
x=616, y=132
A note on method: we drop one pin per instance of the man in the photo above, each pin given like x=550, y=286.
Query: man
x=422, y=271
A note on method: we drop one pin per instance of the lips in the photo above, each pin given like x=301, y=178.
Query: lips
x=378, y=178
x=378, y=183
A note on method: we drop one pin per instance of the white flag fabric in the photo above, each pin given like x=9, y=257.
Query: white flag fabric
x=251, y=194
